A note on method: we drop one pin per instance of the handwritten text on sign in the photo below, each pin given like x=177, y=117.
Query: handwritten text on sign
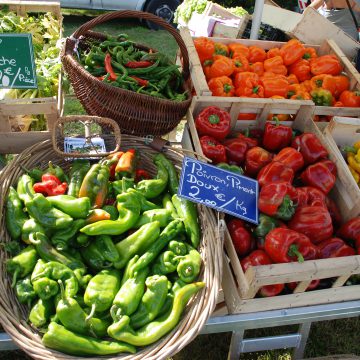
x=219, y=189
x=17, y=67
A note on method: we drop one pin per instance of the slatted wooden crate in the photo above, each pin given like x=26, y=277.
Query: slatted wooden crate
x=328, y=47
x=240, y=288
x=14, y=142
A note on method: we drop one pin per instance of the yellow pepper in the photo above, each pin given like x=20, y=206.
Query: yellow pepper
x=355, y=175
x=357, y=156
x=357, y=145
x=352, y=162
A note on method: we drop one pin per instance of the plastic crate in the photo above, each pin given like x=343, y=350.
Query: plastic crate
x=266, y=32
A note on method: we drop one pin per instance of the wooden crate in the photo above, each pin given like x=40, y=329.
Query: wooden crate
x=328, y=47
x=15, y=142
x=344, y=132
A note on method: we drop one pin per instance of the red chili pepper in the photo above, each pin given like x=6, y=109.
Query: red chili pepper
x=285, y=245
x=108, y=68
x=213, y=121
x=350, y=230
x=50, y=185
x=255, y=159
x=290, y=157
x=235, y=150
x=334, y=247
x=310, y=196
x=275, y=172
x=141, y=174
x=140, y=82
x=313, y=285
x=213, y=149
x=278, y=199
x=276, y=136
x=138, y=64
x=313, y=221
x=310, y=147
x=257, y=258
x=319, y=176
x=241, y=237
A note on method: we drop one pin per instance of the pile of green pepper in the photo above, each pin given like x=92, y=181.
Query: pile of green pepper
x=109, y=266
x=121, y=63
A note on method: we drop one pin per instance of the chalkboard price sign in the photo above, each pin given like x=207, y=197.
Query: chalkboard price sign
x=220, y=189
x=17, y=66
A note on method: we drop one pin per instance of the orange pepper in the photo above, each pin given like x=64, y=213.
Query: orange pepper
x=205, y=48
x=221, y=86
x=241, y=63
x=97, y=215
x=301, y=69
x=275, y=86
x=256, y=54
x=292, y=51
x=338, y=104
x=257, y=68
x=326, y=64
x=295, y=88
x=275, y=65
x=324, y=81
x=240, y=78
x=246, y=116
x=307, y=85
x=273, y=52
x=222, y=66
x=221, y=49
x=310, y=53
x=238, y=49
x=342, y=84
x=250, y=87
x=206, y=68
x=350, y=98
x=301, y=95
x=292, y=79
x=278, y=117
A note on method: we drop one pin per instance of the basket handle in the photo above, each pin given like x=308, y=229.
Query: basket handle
x=143, y=15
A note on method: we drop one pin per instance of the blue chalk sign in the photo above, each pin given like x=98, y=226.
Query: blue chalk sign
x=220, y=189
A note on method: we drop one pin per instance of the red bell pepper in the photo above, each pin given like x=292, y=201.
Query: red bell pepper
x=334, y=211
x=241, y=237
x=285, y=245
x=310, y=196
x=313, y=285
x=141, y=174
x=275, y=172
x=278, y=199
x=334, y=247
x=276, y=137
x=250, y=141
x=291, y=158
x=235, y=150
x=319, y=176
x=255, y=159
x=213, y=149
x=256, y=258
x=50, y=185
x=213, y=121
x=350, y=230
x=330, y=165
x=313, y=221
x=310, y=147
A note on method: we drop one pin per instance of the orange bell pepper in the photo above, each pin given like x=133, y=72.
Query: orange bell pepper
x=241, y=63
x=301, y=69
x=307, y=85
x=301, y=95
x=278, y=117
x=206, y=68
x=292, y=51
x=222, y=66
x=324, y=81
x=294, y=89
x=221, y=86
x=310, y=53
x=350, y=98
x=249, y=87
x=257, y=68
x=221, y=49
x=273, y=52
x=238, y=49
x=205, y=48
x=256, y=54
x=246, y=116
x=326, y=64
x=275, y=86
x=275, y=65
x=240, y=78
x=292, y=79
x=342, y=84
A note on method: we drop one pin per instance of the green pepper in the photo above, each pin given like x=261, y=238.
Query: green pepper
x=168, y=205
x=321, y=97
x=45, y=214
x=266, y=224
x=25, y=291
x=173, y=183
x=188, y=213
x=79, y=169
x=154, y=187
x=127, y=272
x=82, y=239
x=152, y=301
x=22, y=264
x=30, y=227
x=153, y=331
x=25, y=188
x=129, y=296
x=73, y=317
x=163, y=216
x=165, y=263
x=178, y=248
x=145, y=204
x=189, y=266
x=62, y=238
x=35, y=173
x=77, y=208
x=137, y=243
x=15, y=216
x=59, y=338
x=112, y=210
x=95, y=185
x=101, y=291
x=41, y=312
x=129, y=211
x=45, y=288
x=57, y=171
x=233, y=168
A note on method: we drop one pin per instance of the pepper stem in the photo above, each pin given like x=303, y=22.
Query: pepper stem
x=14, y=278
x=294, y=251
x=62, y=289
x=287, y=209
x=214, y=119
x=92, y=312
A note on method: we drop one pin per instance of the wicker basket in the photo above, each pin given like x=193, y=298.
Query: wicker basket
x=136, y=114
x=13, y=315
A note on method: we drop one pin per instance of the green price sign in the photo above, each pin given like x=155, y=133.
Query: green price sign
x=17, y=66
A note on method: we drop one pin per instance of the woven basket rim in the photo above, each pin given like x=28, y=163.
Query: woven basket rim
x=13, y=315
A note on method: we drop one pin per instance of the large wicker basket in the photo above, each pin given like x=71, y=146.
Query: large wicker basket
x=136, y=114
x=13, y=315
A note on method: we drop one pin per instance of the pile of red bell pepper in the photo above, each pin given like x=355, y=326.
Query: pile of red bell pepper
x=298, y=220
